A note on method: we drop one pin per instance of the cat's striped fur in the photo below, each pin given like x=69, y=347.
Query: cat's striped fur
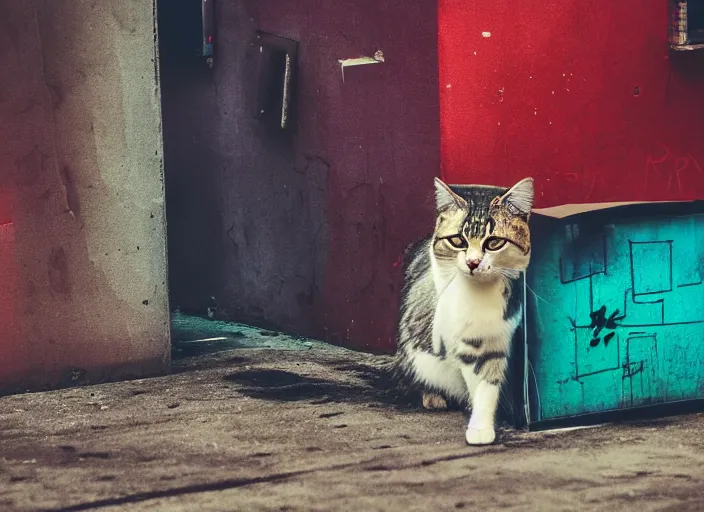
x=460, y=305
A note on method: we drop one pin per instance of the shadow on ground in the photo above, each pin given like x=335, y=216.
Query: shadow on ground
x=367, y=385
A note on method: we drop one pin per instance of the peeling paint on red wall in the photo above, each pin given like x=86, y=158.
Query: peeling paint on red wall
x=582, y=95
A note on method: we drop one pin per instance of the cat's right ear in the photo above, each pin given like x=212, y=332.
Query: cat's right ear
x=445, y=198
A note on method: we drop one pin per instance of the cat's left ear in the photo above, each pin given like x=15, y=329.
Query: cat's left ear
x=520, y=197
x=446, y=198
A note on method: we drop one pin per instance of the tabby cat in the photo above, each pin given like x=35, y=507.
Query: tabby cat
x=460, y=305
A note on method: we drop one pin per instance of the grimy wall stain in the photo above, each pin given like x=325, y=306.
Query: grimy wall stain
x=304, y=231
x=84, y=293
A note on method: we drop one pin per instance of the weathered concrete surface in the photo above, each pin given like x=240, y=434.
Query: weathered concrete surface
x=317, y=430
x=83, y=291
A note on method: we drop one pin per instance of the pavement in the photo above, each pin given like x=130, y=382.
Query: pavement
x=300, y=426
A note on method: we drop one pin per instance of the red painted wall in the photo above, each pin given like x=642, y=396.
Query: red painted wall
x=581, y=94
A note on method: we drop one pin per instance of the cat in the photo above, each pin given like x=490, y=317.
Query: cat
x=460, y=303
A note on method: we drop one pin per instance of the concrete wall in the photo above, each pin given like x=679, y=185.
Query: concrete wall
x=302, y=231
x=82, y=246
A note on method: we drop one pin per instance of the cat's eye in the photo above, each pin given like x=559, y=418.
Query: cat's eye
x=494, y=244
x=457, y=242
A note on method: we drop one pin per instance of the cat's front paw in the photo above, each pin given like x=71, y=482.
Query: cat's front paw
x=480, y=436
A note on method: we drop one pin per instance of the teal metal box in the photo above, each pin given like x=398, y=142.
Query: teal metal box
x=615, y=308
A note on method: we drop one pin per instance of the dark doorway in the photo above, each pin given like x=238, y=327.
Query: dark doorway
x=291, y=191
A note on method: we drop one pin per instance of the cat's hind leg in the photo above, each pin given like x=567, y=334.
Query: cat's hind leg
x=441, y=380
x=434, y=401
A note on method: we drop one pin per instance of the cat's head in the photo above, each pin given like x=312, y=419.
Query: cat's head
x=483, y=233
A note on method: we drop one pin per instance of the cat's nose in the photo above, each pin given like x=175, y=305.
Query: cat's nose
x=473, y=264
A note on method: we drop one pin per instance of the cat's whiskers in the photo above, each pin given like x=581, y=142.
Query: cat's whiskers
x=454, y=275
x=509, y=273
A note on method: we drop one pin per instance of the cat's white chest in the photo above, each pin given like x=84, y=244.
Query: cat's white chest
x=465, y=311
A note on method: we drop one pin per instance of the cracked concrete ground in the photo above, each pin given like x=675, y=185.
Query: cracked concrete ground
x=270, y=429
